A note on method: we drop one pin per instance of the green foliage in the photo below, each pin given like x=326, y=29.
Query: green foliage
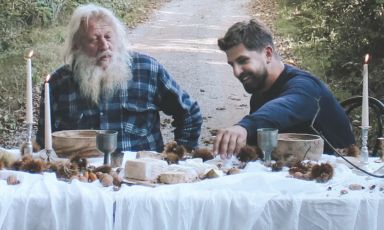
x=19, y=18
x=340, y=33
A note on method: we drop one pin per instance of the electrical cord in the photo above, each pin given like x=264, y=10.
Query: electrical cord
x=334, y=149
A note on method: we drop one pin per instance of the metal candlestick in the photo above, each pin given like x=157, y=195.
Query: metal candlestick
x=26, y=147
x=381, y=148
x=364, y=148
x=49, y=155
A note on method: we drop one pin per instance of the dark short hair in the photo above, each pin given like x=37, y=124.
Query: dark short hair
x=254, y=35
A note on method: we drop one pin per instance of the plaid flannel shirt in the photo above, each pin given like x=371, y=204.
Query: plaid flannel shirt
x=134, y=113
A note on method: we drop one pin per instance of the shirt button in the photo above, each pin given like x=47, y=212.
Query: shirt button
x=101, y=113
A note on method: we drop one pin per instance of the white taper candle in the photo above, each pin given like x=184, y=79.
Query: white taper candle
x=47, y=116
x=365, y=105
x=28, y=93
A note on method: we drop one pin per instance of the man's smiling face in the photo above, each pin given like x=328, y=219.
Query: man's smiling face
x=249, y=67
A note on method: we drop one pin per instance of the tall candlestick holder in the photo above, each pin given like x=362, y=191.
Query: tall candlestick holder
x=26, y=147
x=381, y=148
x=364, y=154
x=49, y=155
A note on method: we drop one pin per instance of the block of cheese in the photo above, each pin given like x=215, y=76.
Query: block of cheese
x=145, y=168
x=173, y=177
x=149, y=154
x=184, y=174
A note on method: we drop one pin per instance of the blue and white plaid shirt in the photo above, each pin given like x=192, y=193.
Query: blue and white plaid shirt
x=134, y=113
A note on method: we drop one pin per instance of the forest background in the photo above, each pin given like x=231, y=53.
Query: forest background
x=326, y=37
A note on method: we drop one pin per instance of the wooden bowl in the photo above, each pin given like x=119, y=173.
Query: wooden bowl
x=68, y=143
x=294, y=147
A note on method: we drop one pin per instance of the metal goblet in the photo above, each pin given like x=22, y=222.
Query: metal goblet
x=267, y=141
x=106, y=142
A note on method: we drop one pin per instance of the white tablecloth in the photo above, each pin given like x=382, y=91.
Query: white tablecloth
x=42, y=202
x=255, y=199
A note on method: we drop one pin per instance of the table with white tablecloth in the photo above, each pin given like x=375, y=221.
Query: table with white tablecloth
x=255, y=199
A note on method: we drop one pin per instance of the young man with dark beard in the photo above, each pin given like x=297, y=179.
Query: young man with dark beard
x=104, y=86
x=283, y=96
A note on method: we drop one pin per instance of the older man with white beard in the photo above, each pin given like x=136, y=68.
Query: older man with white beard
x=104, y=86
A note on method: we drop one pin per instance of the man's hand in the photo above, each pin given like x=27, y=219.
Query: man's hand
x=229, y=141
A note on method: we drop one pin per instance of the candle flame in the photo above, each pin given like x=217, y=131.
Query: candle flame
x=29, y=54
x=47, y=78
x=366, y=58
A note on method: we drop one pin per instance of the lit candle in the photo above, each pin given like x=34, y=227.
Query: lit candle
x=365, y=105
x=28, y=93
x=47, y=116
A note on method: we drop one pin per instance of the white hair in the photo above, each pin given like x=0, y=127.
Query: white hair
x=82, y=14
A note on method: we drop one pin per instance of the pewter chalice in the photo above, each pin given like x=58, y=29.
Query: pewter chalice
x=267, y=141
x=106, y=142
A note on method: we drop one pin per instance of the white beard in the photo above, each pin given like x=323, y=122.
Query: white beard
x=94, y=82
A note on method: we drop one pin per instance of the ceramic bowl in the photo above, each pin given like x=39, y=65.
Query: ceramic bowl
x=68, y=143
x=294, y=147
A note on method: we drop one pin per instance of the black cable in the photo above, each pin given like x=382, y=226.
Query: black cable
x=334, y=149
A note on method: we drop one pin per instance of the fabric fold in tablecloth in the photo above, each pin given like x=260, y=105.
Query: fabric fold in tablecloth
x=42, y=202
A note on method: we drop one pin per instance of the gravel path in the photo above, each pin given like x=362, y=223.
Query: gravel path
x=183, y=35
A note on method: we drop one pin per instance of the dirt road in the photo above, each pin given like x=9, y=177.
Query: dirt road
x=183, y=35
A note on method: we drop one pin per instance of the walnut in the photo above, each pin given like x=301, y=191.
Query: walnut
x=343, y=192
x=103, y=169
x=66, y=170
x=322, y=173
x=356, y=187
x=277, y=166
x=171, y=158
x=233, y=171
x=203, y=153
x=33, y=166
x=116, y=178
x=352, y=151
x=173, y=147
x=81, y=162
x=106, y=179
x=249, y=153
x=92, y=176
x=310, y=171
x=12, y=180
